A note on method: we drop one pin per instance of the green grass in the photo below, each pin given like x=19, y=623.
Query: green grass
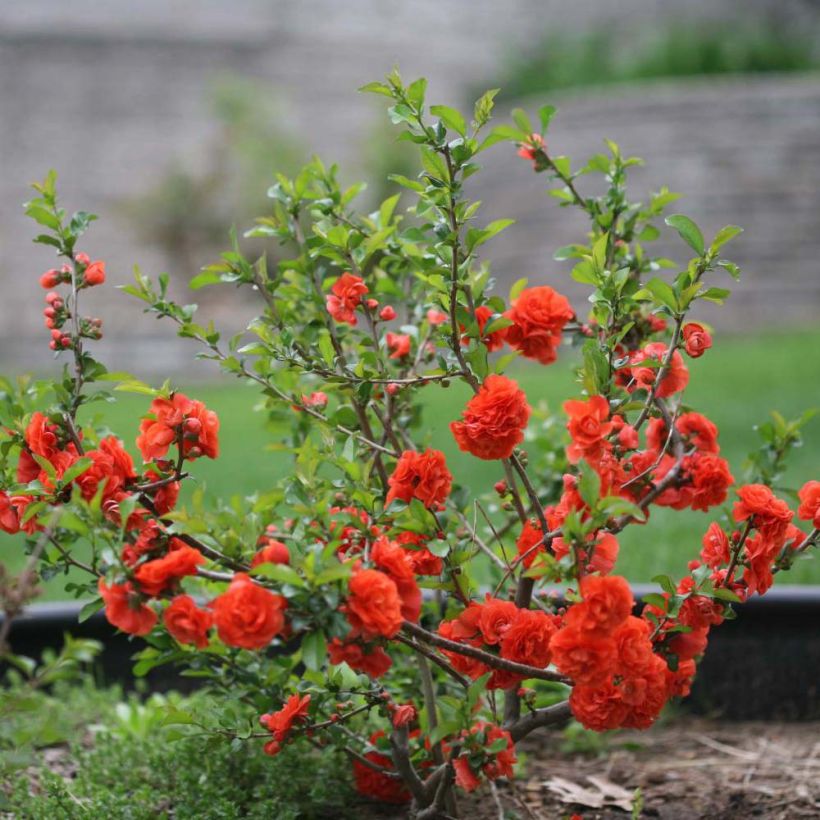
x=736, y=384
x=680, y=50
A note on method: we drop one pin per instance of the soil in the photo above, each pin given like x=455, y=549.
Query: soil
x=686, y=770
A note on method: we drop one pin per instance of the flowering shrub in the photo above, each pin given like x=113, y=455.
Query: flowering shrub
x=359, y=604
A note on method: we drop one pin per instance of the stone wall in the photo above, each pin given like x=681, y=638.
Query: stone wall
x=110, y=92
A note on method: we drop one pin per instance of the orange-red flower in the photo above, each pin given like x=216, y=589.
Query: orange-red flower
x=494, y=419
x=247, y=615
x=372, y=783
x=398, y=344
x=599, y=708
x=94, y=274
x=394, y=562
x=187, y=622
x=492, y=341
x=420, y=475
x=527, y=639
x=675, y=378
x=582, y=656
x=715, y=546
x=538, y=315
x=158, y=575
x=280, y=724
x=809, y=509
x=588, y=427
x=696, y=339
x=607, y=603
x=9, y=520
x=372, y=660
x=125, y=610
x=373, y=605
x=179, y=418
x=771, y=516
x=271, y=552
x=344, y=297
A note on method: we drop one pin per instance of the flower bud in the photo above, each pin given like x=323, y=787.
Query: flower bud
x=387, y=313
x=372, y=303
x=50, y=279
x=392, y=389
x=193, y=426
x=500, y=487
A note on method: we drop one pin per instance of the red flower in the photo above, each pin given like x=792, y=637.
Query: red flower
x=588, y=427
x=530, y=542
x=344, y=297
x=422, y=560
x=41, y=437
x=527, y=640
x=9, y=520
x=373, y=605
x=809, y=509
x=607, y=603
x=673, y=381
x=531, y=148
x=399, y=344
x=271, y=552
x=771, y=516
x=494, y=420
x=583, y=656
x=634, y=645
x=125, y=610
x=394, y=562
x=420, y=475
x=715, y=546
x=387, y=313
x=280, y=723
x=466, y=778
x=373, y=783
x=694, y=428
x=247, y=615
x=538, y=315
x=372, y=660
x=495, y=340
x=155, y=576
x=710, y=478
x=187, y=622
x=696, y=340
x=599, y=708
x=175, y=418
x=495, y=618
x=404, y=714
x=94, y=274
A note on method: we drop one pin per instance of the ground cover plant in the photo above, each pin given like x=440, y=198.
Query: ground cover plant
x=367, y=602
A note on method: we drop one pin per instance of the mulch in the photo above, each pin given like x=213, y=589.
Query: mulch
x=686, y=770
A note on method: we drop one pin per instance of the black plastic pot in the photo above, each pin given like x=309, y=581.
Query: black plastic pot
x=763, y=665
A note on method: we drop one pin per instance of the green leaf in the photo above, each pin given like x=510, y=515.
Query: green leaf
x=279, y=572
x=205, y=278
x=314, y=650
x=484, y=107
x=688, y=231
x=76, y=470
x=89, y=609
x=377, y=88
x=545, y=114
x=724, y=235
x=589, y=485
x=663, y=292
x=522, y=120
x=450, y=117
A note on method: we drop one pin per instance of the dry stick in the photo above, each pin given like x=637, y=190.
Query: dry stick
x=480, y=655
x=71, y=560
x=26, y=580
x=502, y=561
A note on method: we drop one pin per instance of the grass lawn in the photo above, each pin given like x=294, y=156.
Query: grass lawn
x=736, y=385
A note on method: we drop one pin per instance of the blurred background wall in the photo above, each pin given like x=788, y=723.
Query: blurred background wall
x=169, y=117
